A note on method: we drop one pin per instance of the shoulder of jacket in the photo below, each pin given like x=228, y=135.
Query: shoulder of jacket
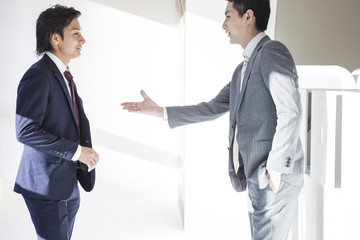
x=274, y=44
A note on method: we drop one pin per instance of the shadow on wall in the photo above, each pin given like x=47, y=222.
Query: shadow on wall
x=167, y=14
x=135, y=148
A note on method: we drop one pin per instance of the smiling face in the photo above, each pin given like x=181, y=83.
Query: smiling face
x=240, y=29
x=70, y=46
x=233, y=24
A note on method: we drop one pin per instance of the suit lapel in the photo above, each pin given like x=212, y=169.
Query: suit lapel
x=60, y=78
x=249, y=68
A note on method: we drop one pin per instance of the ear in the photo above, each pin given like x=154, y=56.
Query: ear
x=249, y=16
x=55, y=39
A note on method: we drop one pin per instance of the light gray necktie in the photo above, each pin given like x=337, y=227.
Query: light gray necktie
x=235, y=144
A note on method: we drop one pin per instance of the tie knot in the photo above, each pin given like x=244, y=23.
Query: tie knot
x=68, y=76
x=246, y=59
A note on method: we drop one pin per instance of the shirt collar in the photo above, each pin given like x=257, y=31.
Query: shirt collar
x=252, y=45
x=60, y=65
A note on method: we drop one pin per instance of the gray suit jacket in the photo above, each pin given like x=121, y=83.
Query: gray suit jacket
x=267, y=112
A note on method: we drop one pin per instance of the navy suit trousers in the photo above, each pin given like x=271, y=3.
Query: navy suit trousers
x=53, y=219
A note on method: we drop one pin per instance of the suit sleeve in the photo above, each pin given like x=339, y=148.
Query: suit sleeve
x=31, y=105
x=205, y=111
x=280, y=76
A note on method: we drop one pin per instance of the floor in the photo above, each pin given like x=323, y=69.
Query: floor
x=110, y=218
x=145, y=209
x=102, y=219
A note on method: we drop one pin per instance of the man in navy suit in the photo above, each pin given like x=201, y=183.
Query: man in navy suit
x=52, y=125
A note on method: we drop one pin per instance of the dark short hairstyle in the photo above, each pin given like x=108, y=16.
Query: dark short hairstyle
x=261, y=9
x=53, y=20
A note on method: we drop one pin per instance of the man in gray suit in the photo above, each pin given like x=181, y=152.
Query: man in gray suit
x=265, y=153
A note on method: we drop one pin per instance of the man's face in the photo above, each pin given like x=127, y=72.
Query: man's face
x=234, y=25
x=70, y=47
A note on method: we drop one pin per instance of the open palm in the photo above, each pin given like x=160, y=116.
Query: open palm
x=148, y=106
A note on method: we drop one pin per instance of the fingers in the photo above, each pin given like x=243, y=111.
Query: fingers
x=144, y=95
x=271, y=184
x=148, y=106
x=137, y=106
x=89, y=157
x=273, y=180
x=92, y=165
x=126, y=105
x=131, y=106
x=90, y=168
x=93, y=160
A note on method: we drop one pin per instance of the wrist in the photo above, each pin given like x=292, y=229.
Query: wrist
x=77, y=154
x=159, y=112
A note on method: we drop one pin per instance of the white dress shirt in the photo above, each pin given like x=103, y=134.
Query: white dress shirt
x=252, y=45
x=62, y=68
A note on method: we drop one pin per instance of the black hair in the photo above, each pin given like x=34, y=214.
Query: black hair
x=261, y=9
x=53, y=20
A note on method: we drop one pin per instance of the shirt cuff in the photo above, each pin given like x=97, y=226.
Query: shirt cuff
x=77, y=154
x=165, y=115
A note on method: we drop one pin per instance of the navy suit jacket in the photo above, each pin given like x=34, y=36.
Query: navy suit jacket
x=46, y=125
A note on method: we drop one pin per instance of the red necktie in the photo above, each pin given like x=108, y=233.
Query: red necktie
x=69, y=77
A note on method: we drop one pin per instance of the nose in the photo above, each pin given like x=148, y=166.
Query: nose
x=82, y=39
x=224, y=25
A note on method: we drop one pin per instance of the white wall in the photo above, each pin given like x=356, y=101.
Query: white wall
x=124, y=53
x=17, y=53
x=210, y=62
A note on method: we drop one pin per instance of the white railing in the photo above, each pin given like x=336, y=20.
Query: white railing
x=329, y=133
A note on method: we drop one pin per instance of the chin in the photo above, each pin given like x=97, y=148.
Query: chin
x=234, y=42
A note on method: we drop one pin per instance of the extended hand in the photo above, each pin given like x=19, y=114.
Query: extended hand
x=273, y=179
x=148, y=106
x=89, y=157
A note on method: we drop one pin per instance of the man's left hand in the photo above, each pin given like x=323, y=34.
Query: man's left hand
x=273, y=179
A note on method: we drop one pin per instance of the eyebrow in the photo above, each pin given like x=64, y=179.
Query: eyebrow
x=227, y=12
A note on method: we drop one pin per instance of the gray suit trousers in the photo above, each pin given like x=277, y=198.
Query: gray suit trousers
x=271, y=214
